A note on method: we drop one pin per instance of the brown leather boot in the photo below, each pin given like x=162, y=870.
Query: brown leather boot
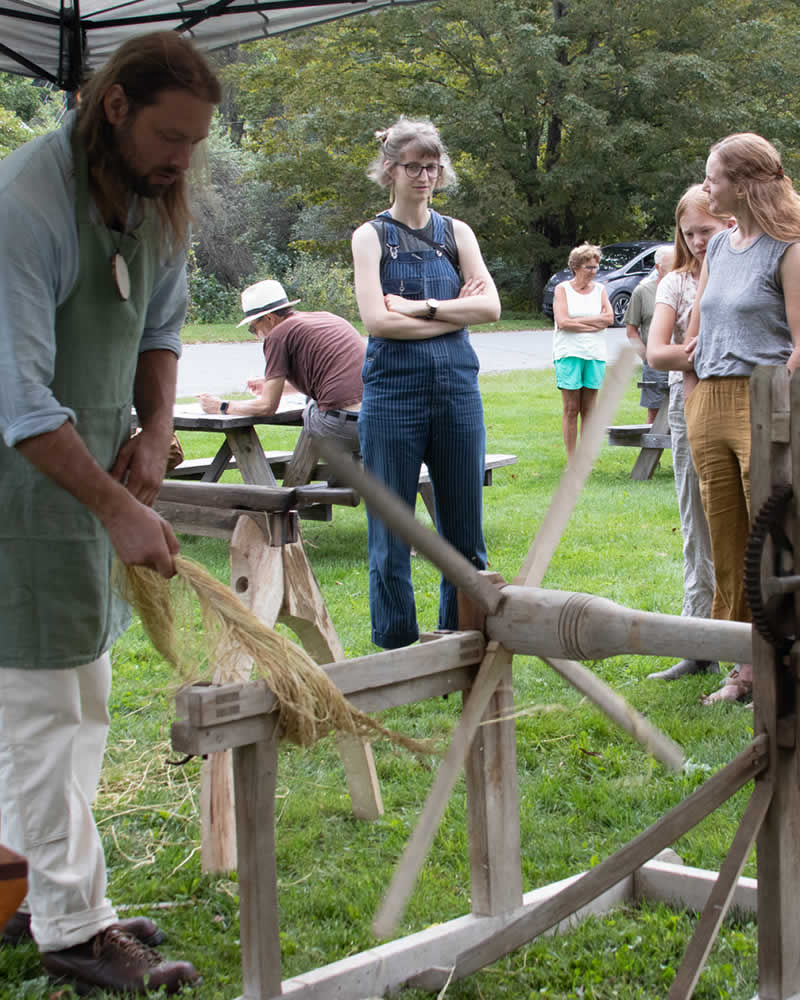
x=115, y=960
x=18, y=929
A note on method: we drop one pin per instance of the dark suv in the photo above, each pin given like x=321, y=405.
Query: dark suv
x=622, y=267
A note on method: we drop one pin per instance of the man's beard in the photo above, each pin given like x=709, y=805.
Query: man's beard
x=122, y=166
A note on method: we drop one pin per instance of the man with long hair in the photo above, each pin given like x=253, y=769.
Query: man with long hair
x=92, y=299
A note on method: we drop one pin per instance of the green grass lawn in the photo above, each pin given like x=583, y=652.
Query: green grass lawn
x=585, y=787
x=229, y=333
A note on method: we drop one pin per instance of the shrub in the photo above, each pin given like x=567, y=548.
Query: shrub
x=322, y=285
x=210, y=301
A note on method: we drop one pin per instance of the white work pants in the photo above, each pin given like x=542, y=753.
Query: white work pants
x=53, y=726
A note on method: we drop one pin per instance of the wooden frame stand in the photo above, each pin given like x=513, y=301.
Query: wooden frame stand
x=478, y=661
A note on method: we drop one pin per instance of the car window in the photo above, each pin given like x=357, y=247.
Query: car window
x=647, y=263
x=614, y=257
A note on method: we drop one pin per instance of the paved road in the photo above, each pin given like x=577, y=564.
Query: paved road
x=225, y=368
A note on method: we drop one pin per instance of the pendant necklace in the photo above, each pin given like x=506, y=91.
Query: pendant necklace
x=122, y=278
x=119, y=266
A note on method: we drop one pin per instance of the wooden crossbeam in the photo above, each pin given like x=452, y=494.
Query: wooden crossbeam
x=536, y=622
x=705, y=934
x=243, y=496
x=673, y=825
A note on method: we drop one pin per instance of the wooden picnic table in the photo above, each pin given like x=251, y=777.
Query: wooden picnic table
x=241, y=449
x=272, y=576
x=241, y=440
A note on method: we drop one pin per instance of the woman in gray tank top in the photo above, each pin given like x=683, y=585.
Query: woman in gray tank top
x=747, y=313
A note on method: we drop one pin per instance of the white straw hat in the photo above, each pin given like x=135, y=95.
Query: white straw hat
x=263, y=297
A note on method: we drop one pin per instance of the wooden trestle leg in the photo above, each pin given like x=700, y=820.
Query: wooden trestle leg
x=255, y=768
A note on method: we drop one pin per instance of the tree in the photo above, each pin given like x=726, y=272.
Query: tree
x=26, y=110
x=13, y=132
x=239, y=221
x=566, y=120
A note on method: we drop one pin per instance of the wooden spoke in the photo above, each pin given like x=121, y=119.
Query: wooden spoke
x=720, y=899
x=617, y=708
x=494, y=663
x=400, y=518
x=566, y=496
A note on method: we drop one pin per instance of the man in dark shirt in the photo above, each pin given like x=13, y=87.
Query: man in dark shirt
x=318, y=352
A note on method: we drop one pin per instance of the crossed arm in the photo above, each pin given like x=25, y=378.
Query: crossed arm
x=790, y=281
x=582, y=324
x=398, y=318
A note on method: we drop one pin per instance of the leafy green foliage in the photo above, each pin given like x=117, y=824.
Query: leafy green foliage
x=26, y=110
x=239, y=221
x=13, y=132
x=322, y=286
x=21, y=96
x=566, y=120
x=210, y=301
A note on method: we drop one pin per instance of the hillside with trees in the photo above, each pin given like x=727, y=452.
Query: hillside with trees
x=566, y=120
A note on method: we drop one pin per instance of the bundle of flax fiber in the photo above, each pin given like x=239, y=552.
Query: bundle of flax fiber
x=310, y=704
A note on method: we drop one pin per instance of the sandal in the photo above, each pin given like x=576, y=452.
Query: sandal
x=734, y=688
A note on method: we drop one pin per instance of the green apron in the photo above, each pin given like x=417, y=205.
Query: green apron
x=57, y=608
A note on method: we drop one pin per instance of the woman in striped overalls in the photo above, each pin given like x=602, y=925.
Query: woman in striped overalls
x=420, y=279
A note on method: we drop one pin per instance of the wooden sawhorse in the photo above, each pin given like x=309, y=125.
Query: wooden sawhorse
x=272, y=576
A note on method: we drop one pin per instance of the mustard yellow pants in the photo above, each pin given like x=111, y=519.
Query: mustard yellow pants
x=718, y=423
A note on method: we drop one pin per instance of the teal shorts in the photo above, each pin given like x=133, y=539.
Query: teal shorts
x=578, y=373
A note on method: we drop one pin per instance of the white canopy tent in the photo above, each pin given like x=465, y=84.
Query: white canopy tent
x=57, y=40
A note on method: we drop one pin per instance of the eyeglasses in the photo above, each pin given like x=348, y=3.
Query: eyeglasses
x=413, y=170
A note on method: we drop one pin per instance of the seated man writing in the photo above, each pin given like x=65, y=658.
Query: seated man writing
x=318, y=352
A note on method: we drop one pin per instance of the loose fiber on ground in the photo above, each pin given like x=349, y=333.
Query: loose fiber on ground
x=310, y=705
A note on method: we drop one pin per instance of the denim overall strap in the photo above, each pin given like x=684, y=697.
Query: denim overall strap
x=421, y=404
x=392, y=240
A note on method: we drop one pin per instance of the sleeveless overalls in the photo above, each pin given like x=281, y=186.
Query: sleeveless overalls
x=421, y=404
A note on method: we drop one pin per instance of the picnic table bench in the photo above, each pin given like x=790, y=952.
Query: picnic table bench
x=316, y=498
x=651, y=439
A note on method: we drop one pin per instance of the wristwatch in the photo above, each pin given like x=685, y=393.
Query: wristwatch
x=432, y=305
x=223, y=406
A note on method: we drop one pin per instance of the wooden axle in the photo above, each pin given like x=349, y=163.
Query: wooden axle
x=559, y=623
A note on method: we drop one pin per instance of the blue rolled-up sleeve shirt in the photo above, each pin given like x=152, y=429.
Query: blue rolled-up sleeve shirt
x=39, y=265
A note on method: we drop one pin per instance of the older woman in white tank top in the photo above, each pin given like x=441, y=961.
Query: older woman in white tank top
x=582, y=313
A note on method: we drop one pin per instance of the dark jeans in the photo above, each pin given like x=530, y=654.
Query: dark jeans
x=422, y=404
